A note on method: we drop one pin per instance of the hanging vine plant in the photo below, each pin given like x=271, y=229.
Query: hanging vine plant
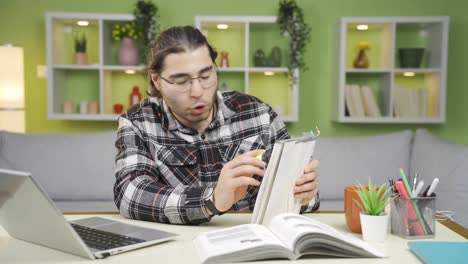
x=292, y=25
x=146, y=14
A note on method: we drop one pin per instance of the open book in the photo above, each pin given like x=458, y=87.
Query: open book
x=276, y=194
x=287, y=236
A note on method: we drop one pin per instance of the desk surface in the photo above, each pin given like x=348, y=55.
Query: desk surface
x=182, y=251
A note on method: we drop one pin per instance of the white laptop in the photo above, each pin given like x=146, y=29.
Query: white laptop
x=27, y=213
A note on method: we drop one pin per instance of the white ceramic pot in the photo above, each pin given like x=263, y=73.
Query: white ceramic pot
x=374, y=227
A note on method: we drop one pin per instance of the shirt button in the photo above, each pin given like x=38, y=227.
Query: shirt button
x=210, y=167
x=241, y=151
x=203, y=136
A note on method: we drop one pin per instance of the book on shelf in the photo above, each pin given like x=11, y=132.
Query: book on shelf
x=371, y=108
x=288, y=236
x=349, y=101
x=287, y=162
x=361, y=101
x=410, y=102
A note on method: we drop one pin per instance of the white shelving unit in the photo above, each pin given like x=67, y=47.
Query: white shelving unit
x=98, y=80
x=243, y=36
x=424, y=96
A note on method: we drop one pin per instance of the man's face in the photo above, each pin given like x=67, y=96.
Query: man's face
x=193, y=108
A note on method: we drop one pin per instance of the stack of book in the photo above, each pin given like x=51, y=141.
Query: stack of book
x=361, y=101
x=410, y=102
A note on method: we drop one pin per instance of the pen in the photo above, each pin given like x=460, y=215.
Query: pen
x=433, y=186
x=392, y=187
x=418, y=189
x=415, y=180
x=405, y=181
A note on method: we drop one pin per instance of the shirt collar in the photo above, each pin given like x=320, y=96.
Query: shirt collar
x=171, y=123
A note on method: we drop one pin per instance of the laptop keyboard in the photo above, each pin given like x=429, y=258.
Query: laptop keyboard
x=103, y=240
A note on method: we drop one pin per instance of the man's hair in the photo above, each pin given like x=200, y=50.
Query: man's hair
x=173, y=40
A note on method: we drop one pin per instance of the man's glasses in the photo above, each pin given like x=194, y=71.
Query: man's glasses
x=183, y=84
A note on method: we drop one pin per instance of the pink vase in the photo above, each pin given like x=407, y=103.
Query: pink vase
x=80, y=58
x=128, y=52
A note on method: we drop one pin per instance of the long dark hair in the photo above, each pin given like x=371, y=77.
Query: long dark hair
x=173, y=40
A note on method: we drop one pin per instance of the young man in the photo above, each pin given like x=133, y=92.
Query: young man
x=187, y=153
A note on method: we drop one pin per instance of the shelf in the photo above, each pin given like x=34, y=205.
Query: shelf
x=118, y=86
x=102, y=80
x=426, y=35
x=379, y=38
x=415, y=93
x=75, y=67
x=417, y=70
x=124, y=67
x=268, y=69
x=368, y=71
x=268, y=81
x=87, y=117
x=231, y=40
x=231, y=69
x=65, y=30
x=391, y=120
x=76, y=85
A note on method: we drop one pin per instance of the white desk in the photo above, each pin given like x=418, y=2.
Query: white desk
x=181, y=250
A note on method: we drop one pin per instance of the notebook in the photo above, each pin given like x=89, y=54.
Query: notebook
x=27, y=213
x=434, y=252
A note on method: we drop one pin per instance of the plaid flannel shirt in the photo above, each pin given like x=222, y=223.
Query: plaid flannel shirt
x=164, y=169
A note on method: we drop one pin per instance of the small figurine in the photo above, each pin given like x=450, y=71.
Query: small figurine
x=224, y=63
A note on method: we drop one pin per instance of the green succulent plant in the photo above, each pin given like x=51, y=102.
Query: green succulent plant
x=80, y=43
x=373, y=198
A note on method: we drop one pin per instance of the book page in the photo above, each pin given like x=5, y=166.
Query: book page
x=263, y=196
x=238, y=243
x=282, y=188
x=357, y=99
x=276, y=195
x=305, y=151
x=304, y=235
x=349, y=101
x=370, y=103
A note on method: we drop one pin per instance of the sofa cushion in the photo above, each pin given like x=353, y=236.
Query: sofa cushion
x=435, y=158
x=346, y=161
x=67, y=166
x=3, y=163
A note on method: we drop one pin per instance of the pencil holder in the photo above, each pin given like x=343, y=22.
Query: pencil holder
x=413, y=218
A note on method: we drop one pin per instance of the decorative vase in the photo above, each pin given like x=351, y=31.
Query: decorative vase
x=224, y=61
x=374, y=227
x=118, y=108
x=275, y=57
x=259, y=58
x=410, y=57
x=135, y=96
x=361, y=60
x=128, y=52
x=352, y=209
x=68, y=107
x=80, y=58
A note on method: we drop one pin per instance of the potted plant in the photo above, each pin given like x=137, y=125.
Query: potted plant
x=292, y=25
x=126, y=33
x=80, y=56
x=146, y=14
x=374, y=221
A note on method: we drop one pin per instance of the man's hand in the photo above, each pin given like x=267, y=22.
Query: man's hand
x=306, y=185
x=235, y=177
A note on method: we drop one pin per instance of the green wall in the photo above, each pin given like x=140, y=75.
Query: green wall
x=22, y=23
